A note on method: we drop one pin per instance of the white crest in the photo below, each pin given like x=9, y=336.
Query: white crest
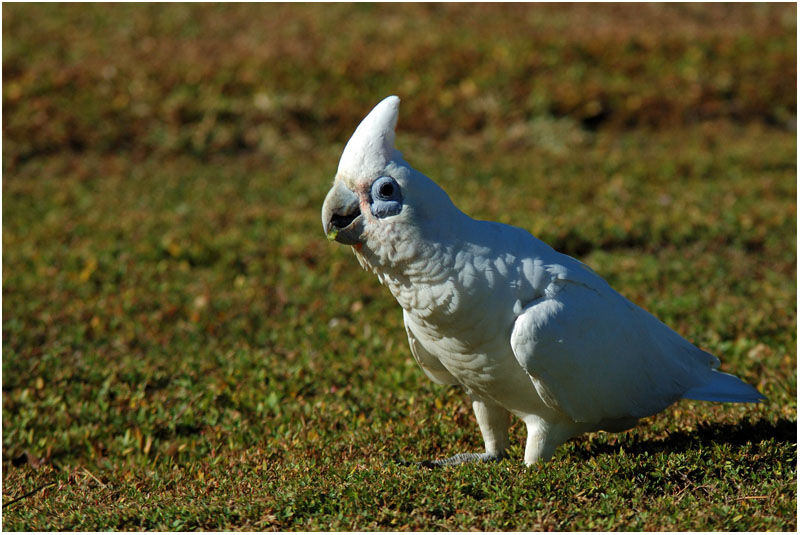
x=371, y=146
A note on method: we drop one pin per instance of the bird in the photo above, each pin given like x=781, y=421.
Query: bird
x=527, y=331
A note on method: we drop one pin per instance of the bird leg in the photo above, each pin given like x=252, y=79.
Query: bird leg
x=493, y=421
x=545, y=436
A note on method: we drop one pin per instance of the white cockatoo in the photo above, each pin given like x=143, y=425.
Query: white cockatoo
x=525, y=330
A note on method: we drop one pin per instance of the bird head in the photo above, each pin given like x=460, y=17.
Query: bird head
x=379, y=204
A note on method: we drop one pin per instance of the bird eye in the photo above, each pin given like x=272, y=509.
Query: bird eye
x=386, y=189
x=386, y=199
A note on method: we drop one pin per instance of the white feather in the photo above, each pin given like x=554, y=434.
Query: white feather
x=524, y=329
x=371, y=146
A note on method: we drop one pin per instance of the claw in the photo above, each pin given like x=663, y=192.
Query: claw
x=459, y=458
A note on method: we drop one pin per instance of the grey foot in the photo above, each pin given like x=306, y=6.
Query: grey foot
x=455, y=459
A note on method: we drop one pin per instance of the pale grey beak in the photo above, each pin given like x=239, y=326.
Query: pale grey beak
x=341, y=215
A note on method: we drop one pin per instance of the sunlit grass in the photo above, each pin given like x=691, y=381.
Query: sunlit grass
x=182, y=349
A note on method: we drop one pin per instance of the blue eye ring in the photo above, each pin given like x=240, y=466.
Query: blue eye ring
x=386, y=188
x=386, y=198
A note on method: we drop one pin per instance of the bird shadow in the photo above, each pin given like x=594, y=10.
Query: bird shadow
x=737, y=434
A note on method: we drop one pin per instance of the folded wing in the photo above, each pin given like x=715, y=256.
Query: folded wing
x=598, y=357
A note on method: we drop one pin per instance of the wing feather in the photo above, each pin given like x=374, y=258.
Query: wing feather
x=596, y=356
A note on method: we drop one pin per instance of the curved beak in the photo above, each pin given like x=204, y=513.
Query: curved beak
x=341, y=215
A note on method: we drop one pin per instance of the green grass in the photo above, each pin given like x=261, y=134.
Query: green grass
x=182, y=349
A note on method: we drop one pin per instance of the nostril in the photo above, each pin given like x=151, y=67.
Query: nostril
x=341, y=221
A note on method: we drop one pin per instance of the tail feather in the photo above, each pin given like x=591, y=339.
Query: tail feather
x=725, y=387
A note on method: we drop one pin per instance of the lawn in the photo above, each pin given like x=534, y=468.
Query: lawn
x=183, y=349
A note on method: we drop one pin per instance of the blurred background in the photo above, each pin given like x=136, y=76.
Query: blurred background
x=212, y=80
x=170, y=302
